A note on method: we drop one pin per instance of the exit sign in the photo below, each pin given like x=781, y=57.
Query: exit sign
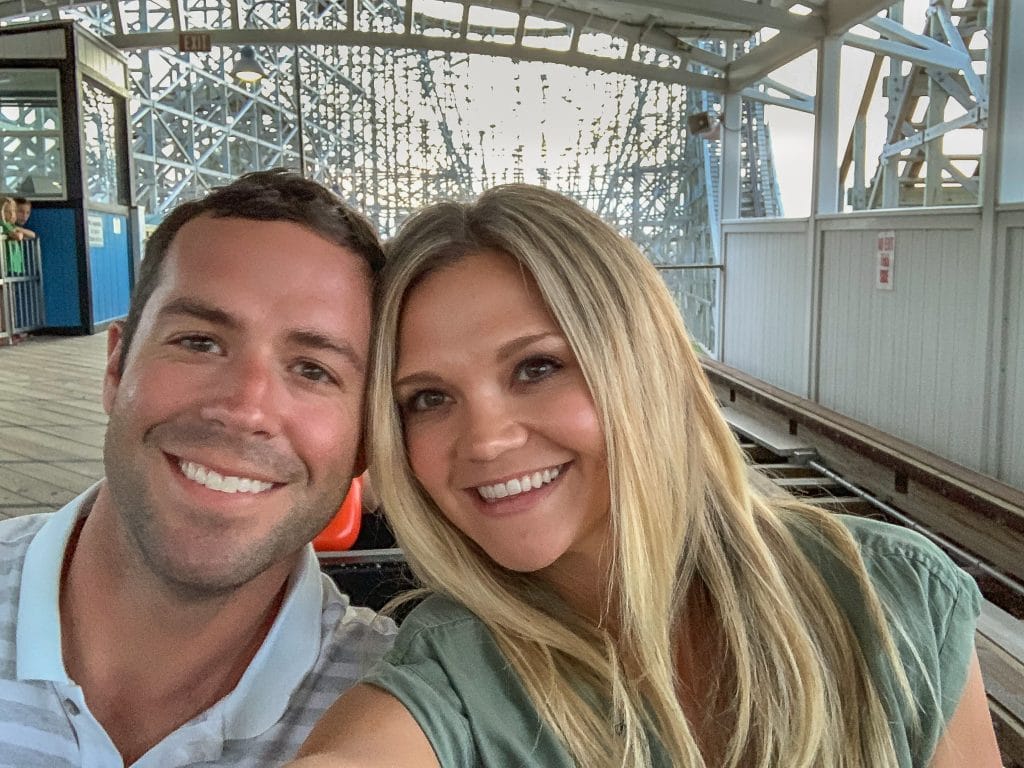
x=194, y=42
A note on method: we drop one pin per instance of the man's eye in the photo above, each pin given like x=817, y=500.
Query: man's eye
x=313, y=372
x=199, y=344
x=536, y=368
x=426, y=400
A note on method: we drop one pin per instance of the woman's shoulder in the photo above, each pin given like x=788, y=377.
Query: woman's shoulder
x=439, y=626
x=437, y=612
x=897, y=559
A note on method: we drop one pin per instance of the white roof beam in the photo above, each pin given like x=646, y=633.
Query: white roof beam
x=632, y=33
x=768, y=57
x=756, y=15
x=765, y=96
x=680, y=76
x=941, y=58
x=789, y=44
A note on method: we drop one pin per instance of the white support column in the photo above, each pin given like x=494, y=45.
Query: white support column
x=826, y=128
x=1010, y=183
x=728, y=192
x=824, y=189
x=934, y=150
x=729, y=186
x=1000, y=182
x=893, y=87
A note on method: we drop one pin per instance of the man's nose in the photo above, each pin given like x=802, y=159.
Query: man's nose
x=247, y=397
x=490, y=426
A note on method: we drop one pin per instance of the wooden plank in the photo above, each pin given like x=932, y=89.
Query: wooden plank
x=92, y=470
x=31, y=443
x=11, y=499
x=21, y=511
x=54, y=475
x=779, y=443
x=34, y=489
x=1002, y=629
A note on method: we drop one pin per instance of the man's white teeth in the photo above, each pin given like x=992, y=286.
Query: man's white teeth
x=519, y=485
x=217, y=482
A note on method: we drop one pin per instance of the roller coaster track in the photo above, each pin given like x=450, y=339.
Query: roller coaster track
x=839, y=464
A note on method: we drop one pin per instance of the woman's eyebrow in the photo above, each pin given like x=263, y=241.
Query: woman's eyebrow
x=511, y=347
x=417, y=378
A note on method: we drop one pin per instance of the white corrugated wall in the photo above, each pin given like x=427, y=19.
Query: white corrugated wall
x=767, y=298
x=1011, y=465
x=910, y=360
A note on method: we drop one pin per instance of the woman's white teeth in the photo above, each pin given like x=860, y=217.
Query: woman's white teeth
x=223, y=483
x=518, y=485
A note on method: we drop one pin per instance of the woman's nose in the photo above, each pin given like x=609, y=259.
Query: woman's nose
x=490, y=426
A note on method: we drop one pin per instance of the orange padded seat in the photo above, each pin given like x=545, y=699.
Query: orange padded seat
x=343, y=530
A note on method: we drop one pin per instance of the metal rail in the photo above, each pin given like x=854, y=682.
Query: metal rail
x=941, y=541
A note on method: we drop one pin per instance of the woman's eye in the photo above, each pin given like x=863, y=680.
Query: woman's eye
x=425, y=401
x=536, y=368
x=199, y=344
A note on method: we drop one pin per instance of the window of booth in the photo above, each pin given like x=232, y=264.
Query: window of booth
x=100, y=145
x=31, y=134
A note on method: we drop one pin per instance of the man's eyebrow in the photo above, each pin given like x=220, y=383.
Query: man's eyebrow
x=191, y=308
x=312, y=339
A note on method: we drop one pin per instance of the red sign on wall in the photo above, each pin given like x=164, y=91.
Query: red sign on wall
x=886, y=260
x=194, y=42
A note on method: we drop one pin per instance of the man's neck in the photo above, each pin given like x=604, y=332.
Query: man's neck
x=147, y=659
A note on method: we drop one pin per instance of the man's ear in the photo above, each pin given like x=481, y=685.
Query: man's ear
x=112, y=372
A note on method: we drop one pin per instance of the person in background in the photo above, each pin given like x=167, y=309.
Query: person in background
x=175, y=614
x=15, y=252
x=23, y=209
x=610, y=586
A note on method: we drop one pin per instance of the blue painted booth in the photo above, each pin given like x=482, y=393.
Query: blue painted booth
x=67, y=151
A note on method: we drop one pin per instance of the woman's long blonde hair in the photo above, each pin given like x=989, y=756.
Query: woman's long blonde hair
x=682, y=512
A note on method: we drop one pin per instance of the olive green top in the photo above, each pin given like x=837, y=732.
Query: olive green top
x=447, y=670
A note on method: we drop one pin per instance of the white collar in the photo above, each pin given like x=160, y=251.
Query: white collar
x=287, y=654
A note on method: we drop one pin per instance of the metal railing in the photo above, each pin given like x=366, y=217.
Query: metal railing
x=696, y=289
x=21, y=288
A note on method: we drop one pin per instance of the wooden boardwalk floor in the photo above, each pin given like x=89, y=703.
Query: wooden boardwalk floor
x=51, y=421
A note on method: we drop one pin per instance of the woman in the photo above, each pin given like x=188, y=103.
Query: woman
x=609, y=587
x=15, y=253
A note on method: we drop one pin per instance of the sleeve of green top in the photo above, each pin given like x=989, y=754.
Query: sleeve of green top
x=412, y=673
x=933, y=608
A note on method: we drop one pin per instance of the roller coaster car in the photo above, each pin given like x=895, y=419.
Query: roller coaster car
x=358, y=551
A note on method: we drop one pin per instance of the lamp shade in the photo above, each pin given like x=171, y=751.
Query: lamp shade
x=246, y=68
x=698, y=123
x=705, y=125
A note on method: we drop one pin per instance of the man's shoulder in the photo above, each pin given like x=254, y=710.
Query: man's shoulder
x=353, y=634
x=16, y=533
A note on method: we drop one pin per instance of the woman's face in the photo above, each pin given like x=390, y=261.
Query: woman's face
x=7, y=212
x=499, y=424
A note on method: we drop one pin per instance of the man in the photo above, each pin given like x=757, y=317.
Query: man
x=174, y=614
x=23, y=209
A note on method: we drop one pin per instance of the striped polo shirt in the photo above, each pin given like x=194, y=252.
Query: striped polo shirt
x=318, y=647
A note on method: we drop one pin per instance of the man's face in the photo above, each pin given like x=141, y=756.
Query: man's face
x=234, y=429
x=22, y=212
